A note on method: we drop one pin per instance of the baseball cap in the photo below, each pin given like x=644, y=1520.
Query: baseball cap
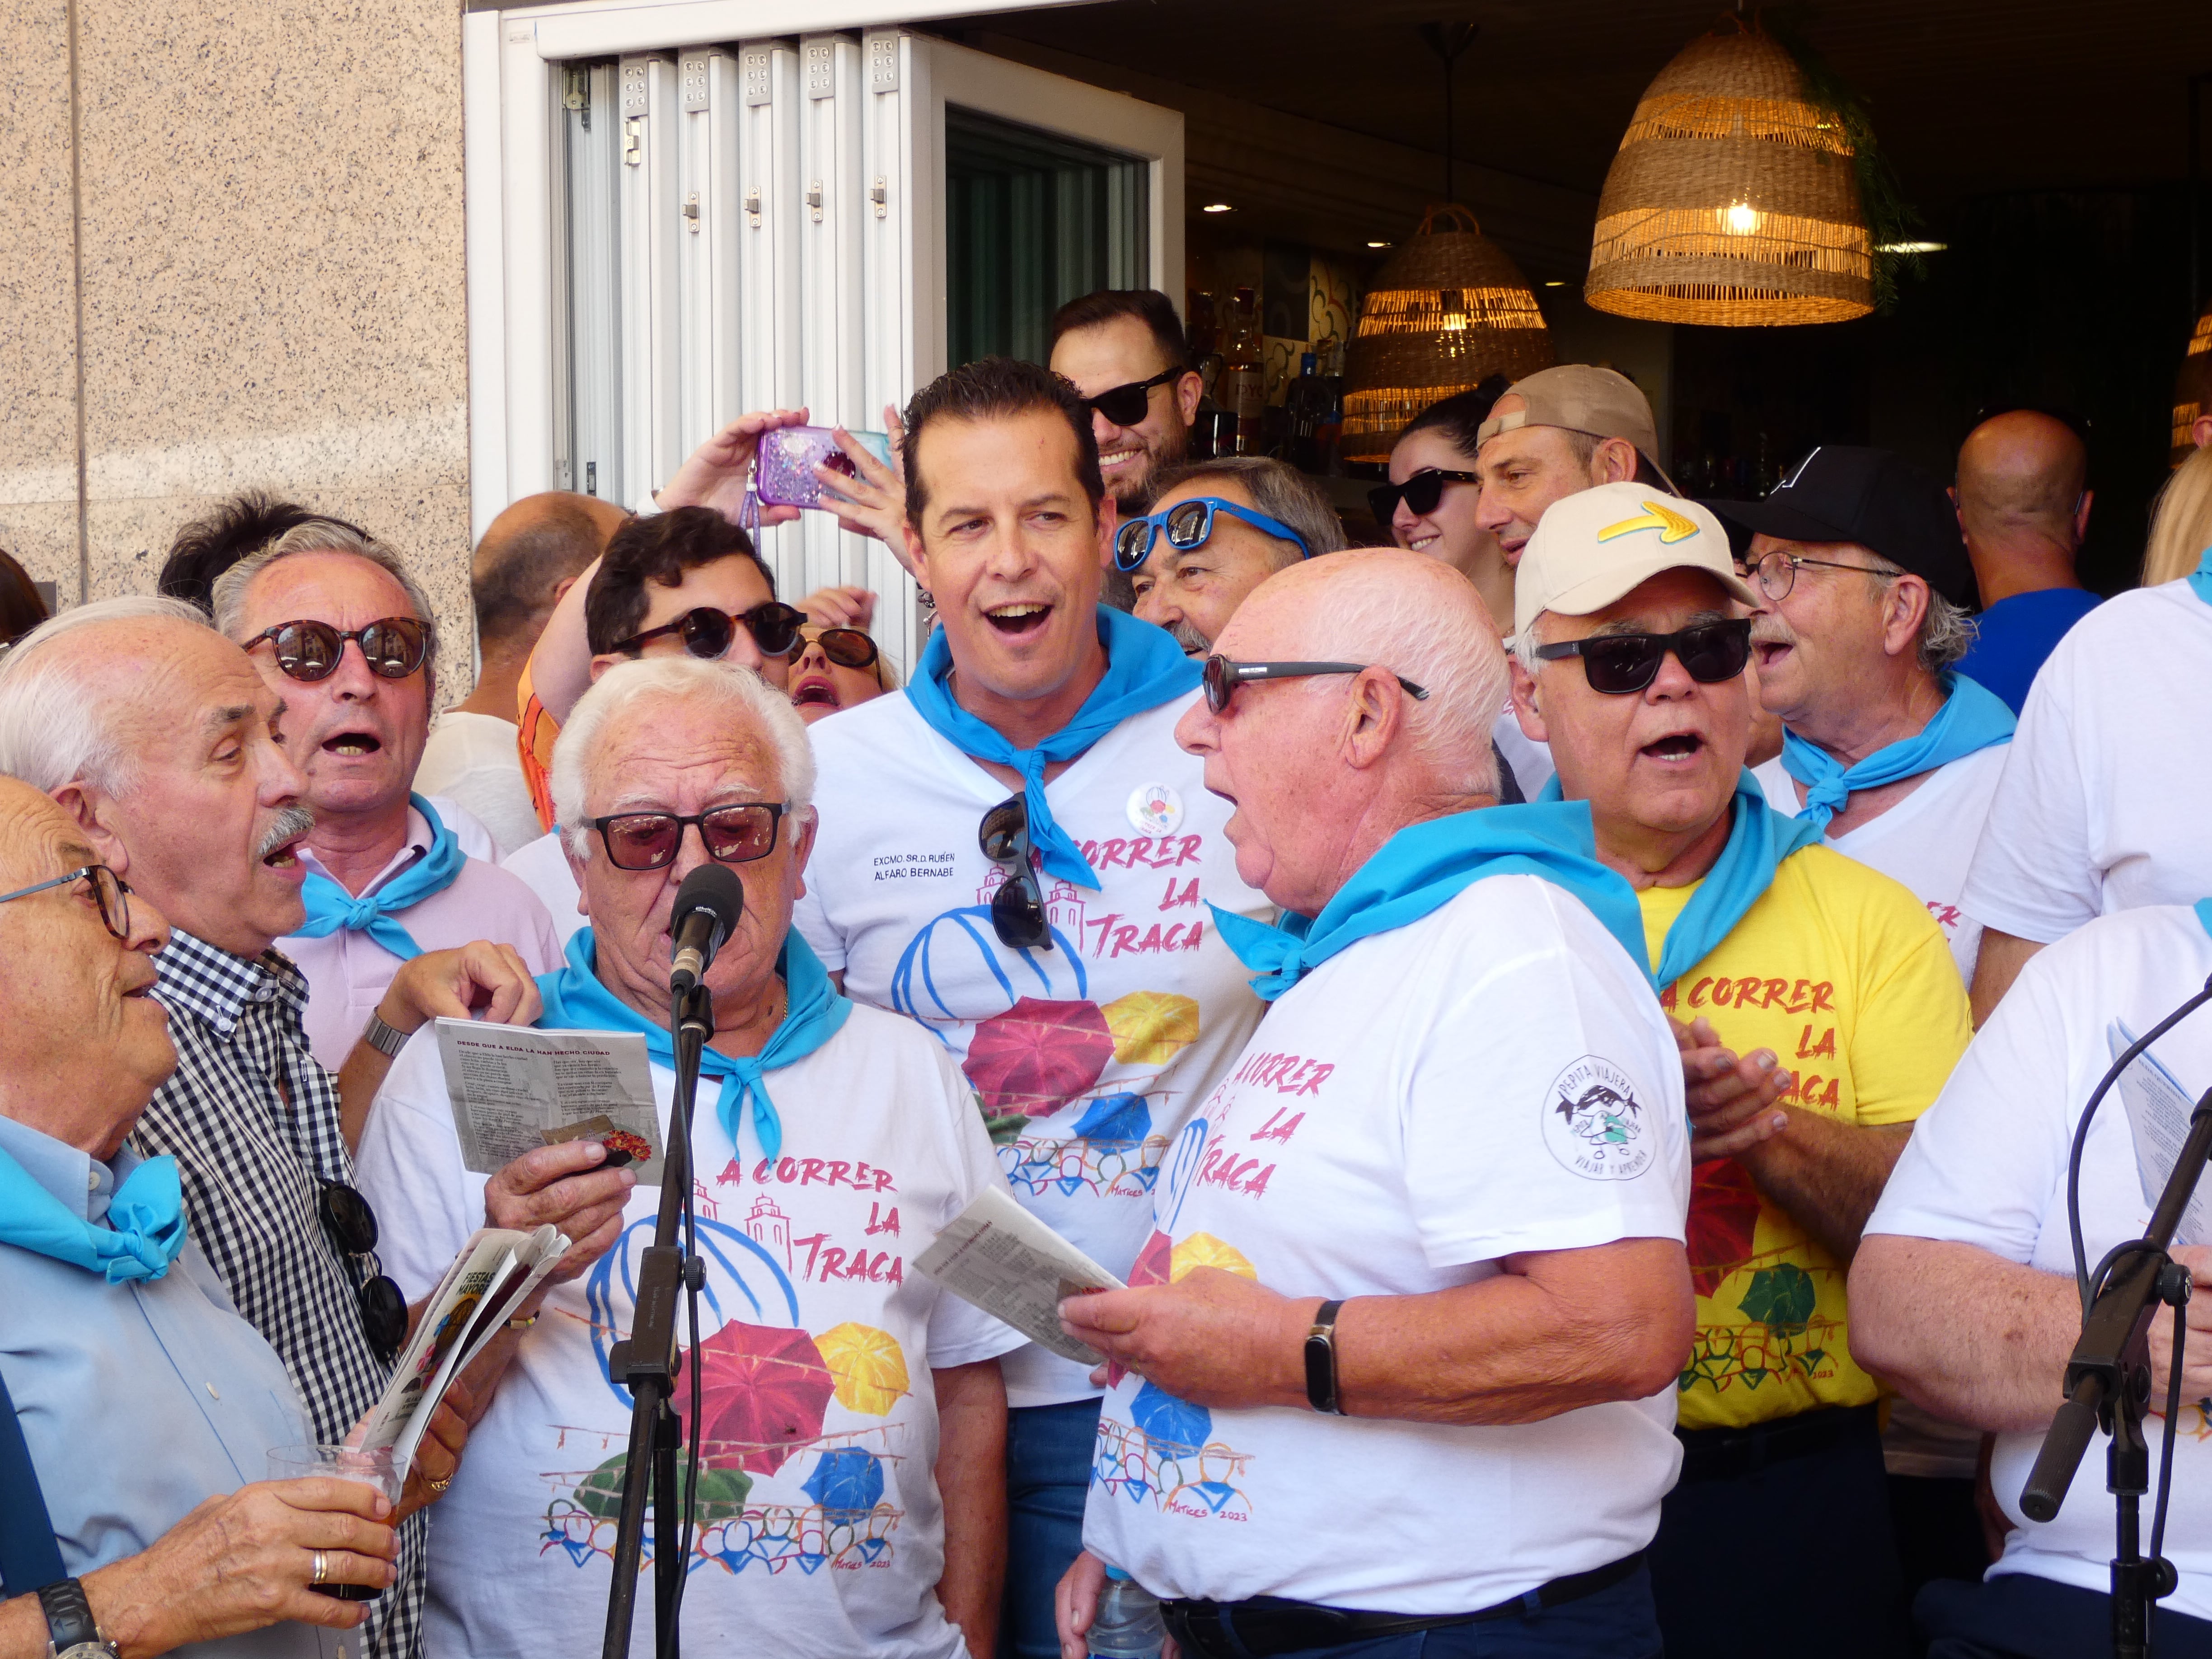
x=1581, y=398
x=1597, y=545
x=1842, y=493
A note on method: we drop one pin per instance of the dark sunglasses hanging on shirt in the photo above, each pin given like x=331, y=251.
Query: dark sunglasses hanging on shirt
x=352, y=1226
x=1018, y=913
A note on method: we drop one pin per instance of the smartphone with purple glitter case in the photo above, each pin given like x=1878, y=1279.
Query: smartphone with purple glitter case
x=789, y=455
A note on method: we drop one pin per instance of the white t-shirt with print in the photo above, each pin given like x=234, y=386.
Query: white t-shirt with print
x=1496, y=1078
x=1924, y=843
x=1103, y=1044
x=821, y=1530
x=1986, y=1166
x=2107, y=784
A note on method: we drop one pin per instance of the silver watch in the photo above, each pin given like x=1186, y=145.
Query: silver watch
x=384, y=1039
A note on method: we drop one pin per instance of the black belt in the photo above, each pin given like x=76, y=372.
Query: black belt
x=1268, y=1624
x=1729, y=1454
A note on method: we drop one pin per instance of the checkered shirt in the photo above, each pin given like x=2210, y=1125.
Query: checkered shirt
x=251, y=1120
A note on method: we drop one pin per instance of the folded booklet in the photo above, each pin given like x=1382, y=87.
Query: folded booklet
x=2158, y=1109
x=998, y=1257
x=494, y=1273
x=514, y=1088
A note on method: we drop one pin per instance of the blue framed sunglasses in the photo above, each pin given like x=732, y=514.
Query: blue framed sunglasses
x=1188, y=524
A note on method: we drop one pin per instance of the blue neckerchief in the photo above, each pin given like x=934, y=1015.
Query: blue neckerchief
x=329, y=907
x=1423, y=868
x=2200, y=580
x=576, y=1000
x=1759, y=840
x=1145, y=668
x=141, y=1237
x=2203, y=908
x=1972, y=717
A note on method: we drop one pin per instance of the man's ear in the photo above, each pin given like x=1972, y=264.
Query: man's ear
x=1614, y=462
x=1910, y=599
x=1524, y=702
x=1108, y=515
x=1188, y=392
x=917, y=556
x=603, y=661
x=92, y=812
x=1373, y=717
x=802, y=848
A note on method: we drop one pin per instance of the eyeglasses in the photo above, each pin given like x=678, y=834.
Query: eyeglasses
x=352, y=1226
x=736, y=834
x=1017, y=915
x=1420, y=493
x=393, y=648
x=1778, y=571
x=849, y=648
x=1188, y=525
x=109, y=892
x=1618, y=663
x=1223, y=677
x=1126, y=406
x=708, y=632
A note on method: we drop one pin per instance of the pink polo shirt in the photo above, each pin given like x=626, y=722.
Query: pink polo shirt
x=348, y=973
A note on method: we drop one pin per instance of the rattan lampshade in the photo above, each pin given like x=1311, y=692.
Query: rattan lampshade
x=1449, y=310
x=1732, y=200
x=2192, y=387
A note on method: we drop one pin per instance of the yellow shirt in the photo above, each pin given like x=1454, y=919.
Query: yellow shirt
x=1844, y=975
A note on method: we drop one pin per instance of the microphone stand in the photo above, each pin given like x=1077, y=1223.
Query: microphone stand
x=2108, y=1387
x=647, y=1362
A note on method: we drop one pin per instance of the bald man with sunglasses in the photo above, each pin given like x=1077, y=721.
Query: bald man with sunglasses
x=1631, y=650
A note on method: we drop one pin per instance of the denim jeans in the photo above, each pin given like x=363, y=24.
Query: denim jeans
x=1618, y=1622
x=1049, y=1450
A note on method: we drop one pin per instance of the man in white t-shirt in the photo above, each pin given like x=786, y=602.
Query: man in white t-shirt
x=856, y=1419
x=1464, y=1113
x=1863, y=574
x=1963, y=1293
x=1072, y=966
x=2103, y=801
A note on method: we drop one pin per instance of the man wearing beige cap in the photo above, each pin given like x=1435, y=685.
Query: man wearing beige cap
x=1778, y=1538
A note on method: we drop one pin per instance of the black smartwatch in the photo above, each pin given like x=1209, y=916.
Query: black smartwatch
x=71, y=1631
x=1320, y=1360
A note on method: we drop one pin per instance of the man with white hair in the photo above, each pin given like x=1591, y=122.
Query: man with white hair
x=1397, y=1365
x=857, y=1419
x=342, y=634
x=1630, y=664
x=157, y=737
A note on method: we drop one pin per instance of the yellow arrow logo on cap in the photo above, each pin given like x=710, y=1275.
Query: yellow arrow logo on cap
x=1672, y=526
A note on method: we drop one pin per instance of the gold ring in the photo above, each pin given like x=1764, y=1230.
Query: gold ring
x=438, y=1488
x=322, y=1569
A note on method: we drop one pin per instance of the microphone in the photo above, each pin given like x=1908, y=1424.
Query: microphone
x=707, y=907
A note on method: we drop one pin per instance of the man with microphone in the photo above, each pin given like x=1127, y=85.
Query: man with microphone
x=855, y=1417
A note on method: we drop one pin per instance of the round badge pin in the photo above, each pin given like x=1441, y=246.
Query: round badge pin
x=1156, y=808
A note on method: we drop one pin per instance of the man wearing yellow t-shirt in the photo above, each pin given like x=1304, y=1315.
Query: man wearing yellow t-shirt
x=1776, y=1540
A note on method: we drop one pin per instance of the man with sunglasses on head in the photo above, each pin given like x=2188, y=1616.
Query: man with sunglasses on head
x=343, y=637
x=829, y=1144
x=1630, y=656
x=1217, y=530
x=1014, y=852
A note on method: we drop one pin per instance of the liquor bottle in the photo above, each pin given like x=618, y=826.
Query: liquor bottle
x=1243, y=373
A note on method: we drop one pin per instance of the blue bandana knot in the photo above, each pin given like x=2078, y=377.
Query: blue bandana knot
x=1973, y=718
x=142, y=1236
x=330, y=907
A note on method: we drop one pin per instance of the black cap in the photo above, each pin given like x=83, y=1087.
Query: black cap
x=1841, y=493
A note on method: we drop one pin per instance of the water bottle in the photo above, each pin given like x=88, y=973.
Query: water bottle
x=1127, y=1623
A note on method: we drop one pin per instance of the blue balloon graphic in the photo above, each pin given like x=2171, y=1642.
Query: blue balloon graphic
x=735, y=1264
x=1122, y=1118
x=847, y=1484
x=1172, y=1424
x=1019, y=973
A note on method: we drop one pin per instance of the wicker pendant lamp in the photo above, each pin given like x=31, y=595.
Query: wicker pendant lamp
x=2192, y=387
x=1733, y=200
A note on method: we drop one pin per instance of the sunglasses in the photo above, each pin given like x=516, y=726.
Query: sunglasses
x=393, y=648
x=737, y=833
x=109, y=892
x=708, y=632
x=1017, y=915
x=849, y=648
x=1420, y=493
x=1188, y=525
x=352, y=1226
x=1125, y=405
x=1223, y=677
x=1619, y=664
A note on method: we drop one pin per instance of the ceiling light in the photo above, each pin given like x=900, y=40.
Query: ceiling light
x=1555, y=282
x=1379, y=245
x=1216, y=207
x=1911, y=247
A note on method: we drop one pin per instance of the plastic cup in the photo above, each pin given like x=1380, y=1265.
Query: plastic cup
x=371, y=1469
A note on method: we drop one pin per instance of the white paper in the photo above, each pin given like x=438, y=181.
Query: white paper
x=2158, y=1109
x=998, y=1257
x=514, y=1088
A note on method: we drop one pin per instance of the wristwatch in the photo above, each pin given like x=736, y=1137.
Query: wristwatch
x=384, y=1039
x=71, y=1631
x=1320, y=1360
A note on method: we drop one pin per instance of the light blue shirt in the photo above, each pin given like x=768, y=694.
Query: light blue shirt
x=140, y=1400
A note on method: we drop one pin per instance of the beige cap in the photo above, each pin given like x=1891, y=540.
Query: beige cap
x=1597, y=545
x=1582, y=398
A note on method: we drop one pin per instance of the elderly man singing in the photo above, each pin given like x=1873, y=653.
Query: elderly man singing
x=857, y=1420
x=1396, y=1370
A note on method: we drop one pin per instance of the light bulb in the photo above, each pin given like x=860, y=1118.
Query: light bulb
x=1741, y=218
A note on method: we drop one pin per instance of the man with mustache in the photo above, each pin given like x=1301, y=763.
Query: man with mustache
x=157, y=737
x=1631, y=663
x=341, y=633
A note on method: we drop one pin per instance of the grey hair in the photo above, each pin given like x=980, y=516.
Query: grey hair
x=316, y=536
x=737, y=694
x=1278, y=490
x=54, y=724
x=1947, y=632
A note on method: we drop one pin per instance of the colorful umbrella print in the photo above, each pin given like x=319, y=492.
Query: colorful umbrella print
x=1151, y=1028
x=1205, y=1250
x=1038, y=1055
x=1154, y=1262
x=1724, y=1221
x=847, y=1484
x=869, y=1367
x=1175, y=1426
x=1122, y=1120
x=765, y=1387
